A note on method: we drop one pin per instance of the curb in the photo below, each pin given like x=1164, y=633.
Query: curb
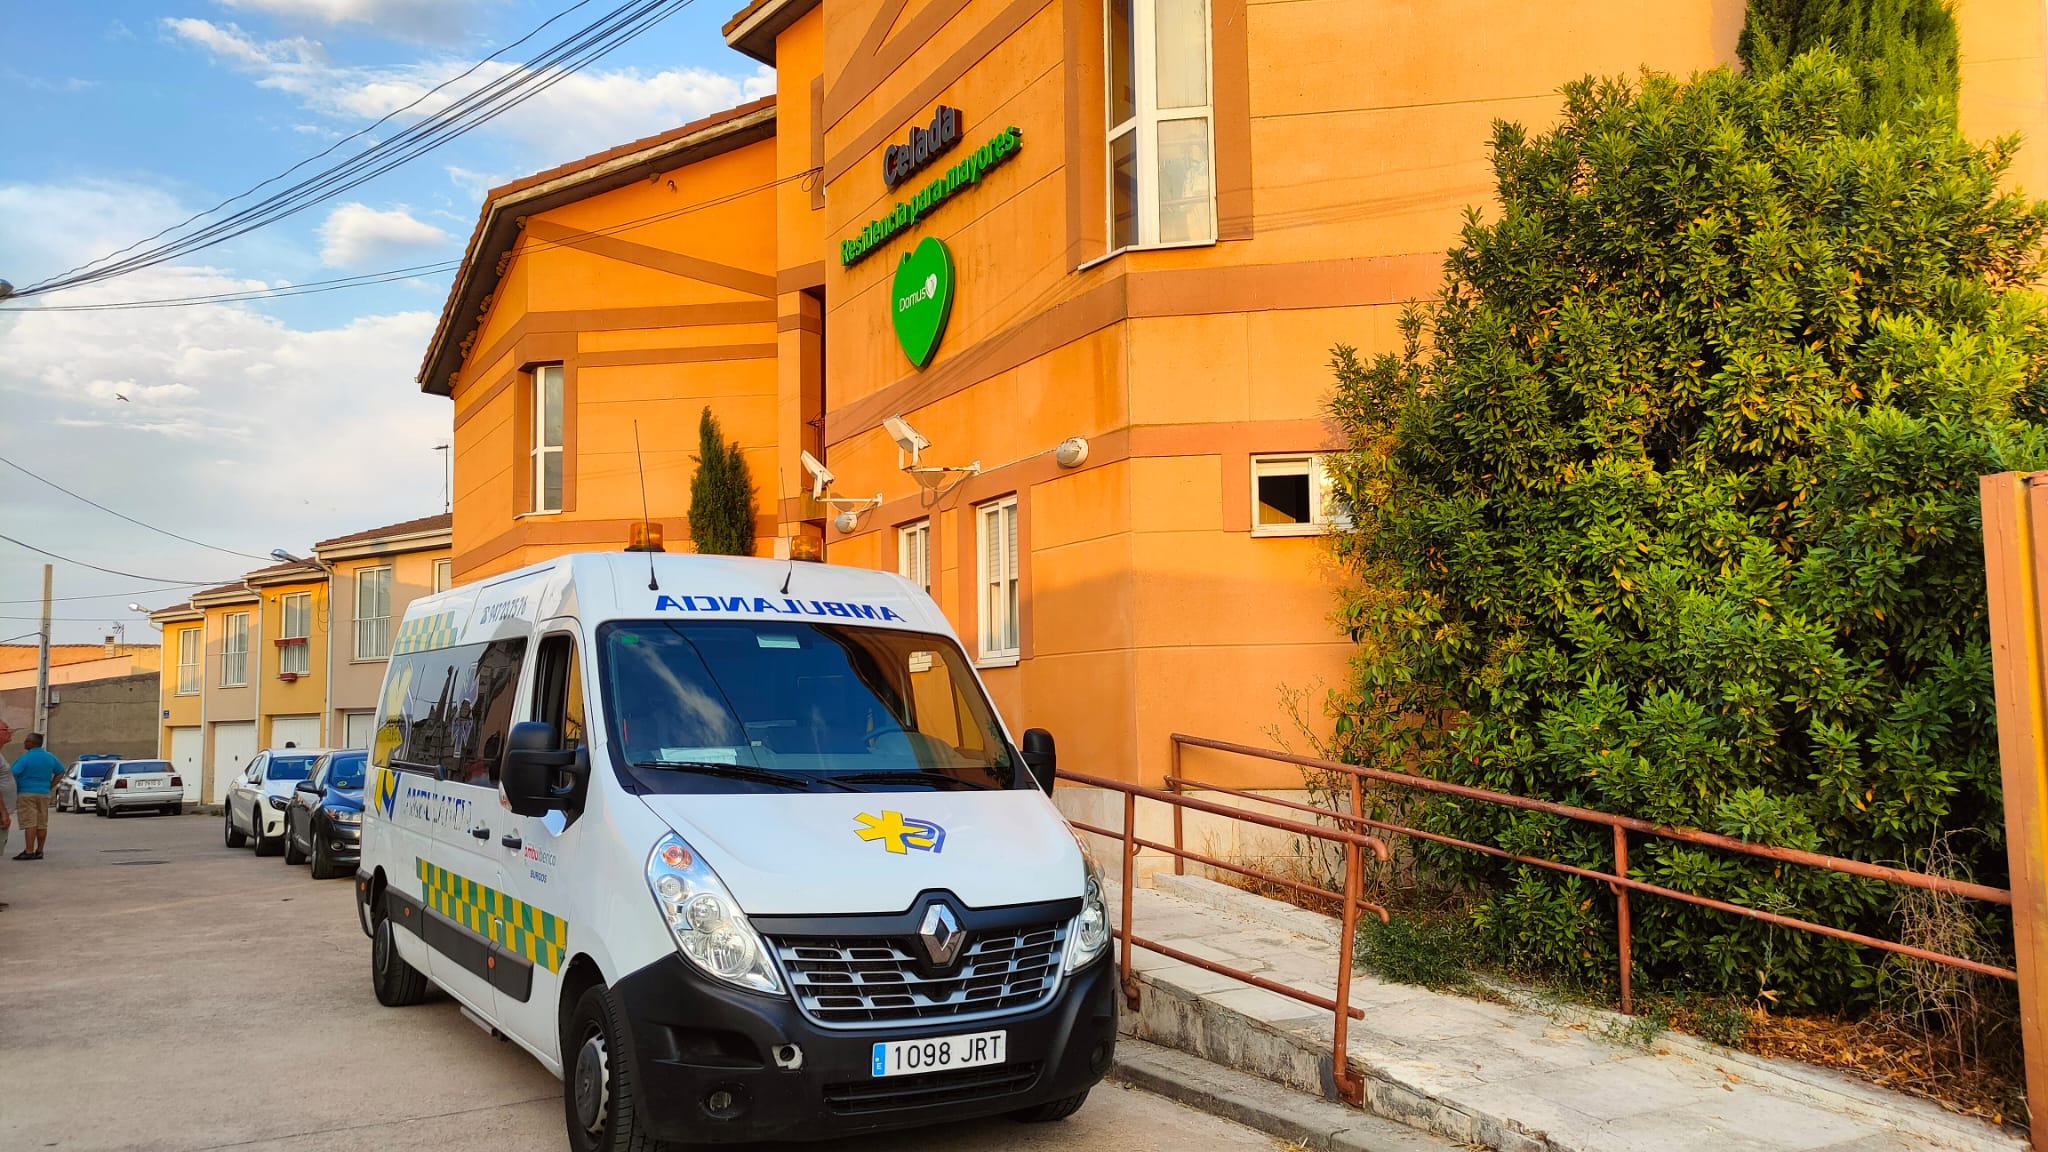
x=1261, y=1105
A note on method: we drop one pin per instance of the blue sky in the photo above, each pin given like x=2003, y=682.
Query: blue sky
x=271, y=424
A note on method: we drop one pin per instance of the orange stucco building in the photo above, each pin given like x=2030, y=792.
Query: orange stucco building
x=1159, y=216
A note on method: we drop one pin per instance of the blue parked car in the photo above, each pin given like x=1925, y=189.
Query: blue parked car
x=324, y=822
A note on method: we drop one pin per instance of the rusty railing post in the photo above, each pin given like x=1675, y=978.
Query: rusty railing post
x=1130, y=879
x=1180, y=867
x=2013, y=577
x=1622, y=920
x=1350, y=1088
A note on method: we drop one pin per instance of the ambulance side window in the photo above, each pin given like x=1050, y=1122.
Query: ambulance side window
x=448, y=710
x=558, y=689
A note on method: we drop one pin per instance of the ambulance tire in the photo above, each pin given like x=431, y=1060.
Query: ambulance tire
x=398, y=984
x=1051, y=1110
x=600, y=1101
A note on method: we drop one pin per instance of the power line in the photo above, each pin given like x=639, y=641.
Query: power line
x=131, y=519
x=108, y=571
x=356, y=135
x=98, y=596
x=368, y=278
x=463, y=115
x=108, y=619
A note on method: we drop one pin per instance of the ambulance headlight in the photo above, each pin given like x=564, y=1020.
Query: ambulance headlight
x=1088, y=939
x=706, y=922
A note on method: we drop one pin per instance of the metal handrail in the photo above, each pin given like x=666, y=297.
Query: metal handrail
x=1350, y=1087
x=1618, y=880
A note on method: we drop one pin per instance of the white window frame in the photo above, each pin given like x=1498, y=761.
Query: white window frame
x=540, y=449
x=997, y=588
x=444, y=575
x=295, y=658
x=1324, y=514
x=234, y=661
x=1145, y=120
x=374, y=629
x=914, y=553
x=191, y=660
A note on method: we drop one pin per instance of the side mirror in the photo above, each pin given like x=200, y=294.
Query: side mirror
x=310, y=788
x=540, y=776
x=1042, y=757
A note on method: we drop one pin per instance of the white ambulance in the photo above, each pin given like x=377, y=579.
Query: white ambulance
x=737, y=848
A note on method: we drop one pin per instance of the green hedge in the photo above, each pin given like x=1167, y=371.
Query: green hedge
x=1669, y=508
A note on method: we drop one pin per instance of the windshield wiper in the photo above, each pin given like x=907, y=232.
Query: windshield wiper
x=731, y=772
x=905, y=776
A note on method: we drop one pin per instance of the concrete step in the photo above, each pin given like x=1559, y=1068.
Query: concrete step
x=1519, y=1077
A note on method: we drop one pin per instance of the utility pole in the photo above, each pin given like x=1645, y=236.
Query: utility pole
x=43, y=663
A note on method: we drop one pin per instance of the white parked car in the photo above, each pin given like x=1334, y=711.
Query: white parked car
x=258, y=797
x=134, y=784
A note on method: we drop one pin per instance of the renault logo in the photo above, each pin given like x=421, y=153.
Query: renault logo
x=941, y=934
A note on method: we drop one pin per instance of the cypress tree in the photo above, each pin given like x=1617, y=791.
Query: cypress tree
x=1901, y=51
x=722, y=505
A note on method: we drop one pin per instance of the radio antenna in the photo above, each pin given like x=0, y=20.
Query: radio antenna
x=641, y=466
x=782, y=495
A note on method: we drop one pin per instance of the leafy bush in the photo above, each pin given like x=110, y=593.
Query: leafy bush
x=1669, y=507
x=722, y=506
x=1902, y=51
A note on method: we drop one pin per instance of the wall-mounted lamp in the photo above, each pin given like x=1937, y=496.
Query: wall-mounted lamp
x=1071, y=453
x=910, y=440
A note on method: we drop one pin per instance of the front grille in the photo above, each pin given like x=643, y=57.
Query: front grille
x=891, y=1093
x=872, y=981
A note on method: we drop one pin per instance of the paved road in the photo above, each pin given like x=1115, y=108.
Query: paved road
x=228, y=997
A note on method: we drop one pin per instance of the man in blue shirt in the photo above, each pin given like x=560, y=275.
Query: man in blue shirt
x=33, y=775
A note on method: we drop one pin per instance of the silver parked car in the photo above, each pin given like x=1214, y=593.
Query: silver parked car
x=258, y=797
x=134, y=784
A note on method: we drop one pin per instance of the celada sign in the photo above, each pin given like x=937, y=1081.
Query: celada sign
x=967, y=172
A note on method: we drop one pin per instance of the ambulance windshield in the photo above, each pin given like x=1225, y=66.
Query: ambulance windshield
x=740, y=706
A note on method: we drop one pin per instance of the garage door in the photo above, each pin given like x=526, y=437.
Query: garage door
x=185, y=748
x=356, y=728
x=298, y=731
x=234, y=745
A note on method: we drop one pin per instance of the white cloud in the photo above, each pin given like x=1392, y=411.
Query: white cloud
x=237, y=428
x=579, y=113
x=359, y=236
x=439, y=20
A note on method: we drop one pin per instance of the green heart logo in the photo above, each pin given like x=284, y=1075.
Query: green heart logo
x=923, y=299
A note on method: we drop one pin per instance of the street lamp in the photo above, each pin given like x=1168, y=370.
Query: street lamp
x=139, y=610
x=288, y=558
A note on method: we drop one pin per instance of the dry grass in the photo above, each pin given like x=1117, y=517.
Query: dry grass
x=1890, y=1055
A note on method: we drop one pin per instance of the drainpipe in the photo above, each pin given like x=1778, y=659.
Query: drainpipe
x=327, y=676
x=205, y=733
x=256, y=655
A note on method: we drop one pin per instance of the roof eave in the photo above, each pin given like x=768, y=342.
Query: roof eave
x=388, y=545
x=504, y=215
x=753, y=30
x=183, y=613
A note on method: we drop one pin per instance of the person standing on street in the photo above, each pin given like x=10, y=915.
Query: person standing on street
x=6, y=804
x=33, y=775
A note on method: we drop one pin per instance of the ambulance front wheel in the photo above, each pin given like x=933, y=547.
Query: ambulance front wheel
x=600, y=1098
x=398, y=984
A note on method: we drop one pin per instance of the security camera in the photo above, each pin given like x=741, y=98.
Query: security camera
x=1071, y=453
x=821, y=476
x=846, y=521
x=907, y=438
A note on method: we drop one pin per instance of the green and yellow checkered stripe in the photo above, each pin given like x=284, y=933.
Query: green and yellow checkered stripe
x=428, y=633
x=511, y=924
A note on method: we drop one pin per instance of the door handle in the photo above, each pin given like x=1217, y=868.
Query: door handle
x=511, y=840
x=480, y=833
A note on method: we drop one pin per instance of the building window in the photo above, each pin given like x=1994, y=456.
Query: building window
x=444, y=575
x=234, y=651
x=1293, y=496
x=295, y=625
x=373, y=613
x=547, y=438
x=189, y=658
x=1162, y=186
x=998, y=549
x=914, y=553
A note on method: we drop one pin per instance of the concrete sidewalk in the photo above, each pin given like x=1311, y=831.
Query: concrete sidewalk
x=1515, y=1078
